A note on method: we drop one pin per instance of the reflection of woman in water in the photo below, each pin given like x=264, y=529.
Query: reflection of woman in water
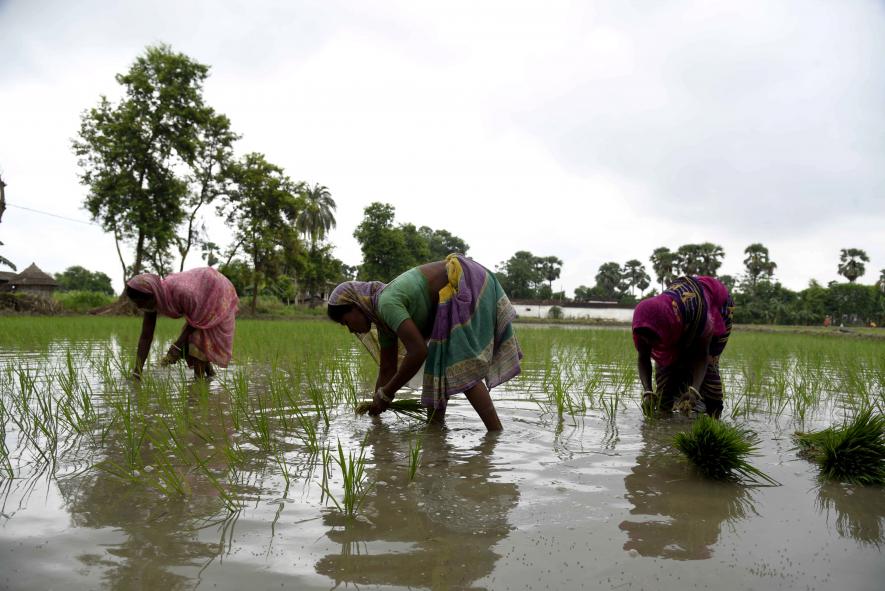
x=678, y=517
x=448, y=520
x=684, y=330
x=208, y=301
x=453, y=316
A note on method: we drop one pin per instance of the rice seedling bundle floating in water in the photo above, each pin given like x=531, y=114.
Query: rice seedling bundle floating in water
x=719, y=451
x=408, y=407
x=853, y=453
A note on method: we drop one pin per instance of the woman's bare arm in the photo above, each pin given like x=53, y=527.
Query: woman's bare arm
x=416, y=353
x=148, y=324
x=643, y=361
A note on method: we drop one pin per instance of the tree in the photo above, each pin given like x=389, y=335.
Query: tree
x=520, y=275
x=318, y=216
x=129, y=154
x=207, y=179
x=79, y=279
x=442, y=243
x=881, y=282
x=416, y=245
x=711, y=258
x=758, y=263
x=550, y=268
x=633, y=274
x=608, y=280
x=261, y=208
x=852, y=263
x=664, y=264
x=3, y=260
x=385, y=254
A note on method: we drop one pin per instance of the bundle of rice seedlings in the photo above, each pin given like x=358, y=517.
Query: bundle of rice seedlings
x=719, y=451
x=408, y=407
x=853, y=453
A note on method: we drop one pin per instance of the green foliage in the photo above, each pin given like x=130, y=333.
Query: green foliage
x=385, y=254
x=317, y=217
x=555, y=313
x=80, y=302
x=772, y=303
x=758, y=263
x=664, y=264
x=261, y=207
x=77, y=278
x=129, y=153
x=720, y=451
x=851, y=264
x=852, y=453
x=633, y=275
x=389, y=250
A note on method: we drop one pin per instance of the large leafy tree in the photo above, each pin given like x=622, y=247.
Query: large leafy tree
x=851, y=264
x=521, y=275
x=207, y=178
x=385, y=254
x=442, y=243
x=608, y=280
x=633, y=275
x=261, y=207
x=758, y=263
x=318, y=216
x=130, y=154
x=664, y=263
x=77, y=278
x=699, y=259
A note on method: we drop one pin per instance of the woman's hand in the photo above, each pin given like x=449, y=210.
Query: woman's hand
x=173, y=355
x=380, y=402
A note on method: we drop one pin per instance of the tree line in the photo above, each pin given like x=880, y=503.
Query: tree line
x=160, y=160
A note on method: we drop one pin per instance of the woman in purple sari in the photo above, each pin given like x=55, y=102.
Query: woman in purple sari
x=685, y=330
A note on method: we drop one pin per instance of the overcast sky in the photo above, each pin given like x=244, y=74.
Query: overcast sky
x=593, y=131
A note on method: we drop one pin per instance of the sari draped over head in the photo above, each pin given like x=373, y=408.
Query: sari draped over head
x=472, y=339
x=208, y=301
x=363, y=295
x=690, y=308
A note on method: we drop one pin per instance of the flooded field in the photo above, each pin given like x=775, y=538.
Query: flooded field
x=266, y=478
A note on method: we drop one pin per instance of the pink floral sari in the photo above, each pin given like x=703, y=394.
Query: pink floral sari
x=207, y=300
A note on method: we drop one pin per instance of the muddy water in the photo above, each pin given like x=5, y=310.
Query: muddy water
x=586, y=502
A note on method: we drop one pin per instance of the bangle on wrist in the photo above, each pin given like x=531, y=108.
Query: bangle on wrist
x=176, y=347
x=693, y=389
x=380, y=394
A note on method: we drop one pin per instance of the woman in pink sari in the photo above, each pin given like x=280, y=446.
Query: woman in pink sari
x=208, y=302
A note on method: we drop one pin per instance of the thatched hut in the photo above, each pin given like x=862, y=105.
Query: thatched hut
x=5, y=278
x=33, y=280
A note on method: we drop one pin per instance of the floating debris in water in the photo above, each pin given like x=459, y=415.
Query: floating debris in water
x=853, y=453
x=719, y=451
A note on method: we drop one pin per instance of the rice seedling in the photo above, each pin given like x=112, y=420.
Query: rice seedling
x=854, y=452
x=407, y=407
x=719, y=451
x=353, y=474
x=415, y=445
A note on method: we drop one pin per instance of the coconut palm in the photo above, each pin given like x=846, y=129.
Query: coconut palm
x=317, y=218
x=758, y=263
x=852, y=265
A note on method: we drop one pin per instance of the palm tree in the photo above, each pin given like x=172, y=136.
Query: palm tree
x=758, y=263
x=634, y=274
x=882, y=280
x=4, y=260
x=663, y=262
x=317, y=218
x=711, y=258
x=852, y=265
x=608, y=279
x=550, y=268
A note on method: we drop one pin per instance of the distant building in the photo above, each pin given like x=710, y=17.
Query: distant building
x=33, y=280
x=604, y=311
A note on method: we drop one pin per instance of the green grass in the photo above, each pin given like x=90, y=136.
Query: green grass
x=720, y=451
x=407, y=407
x=853, y=453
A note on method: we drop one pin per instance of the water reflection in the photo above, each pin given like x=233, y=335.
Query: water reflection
x=160, y=534
x=683, y=514
x=858, y=510
x=437, y=532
